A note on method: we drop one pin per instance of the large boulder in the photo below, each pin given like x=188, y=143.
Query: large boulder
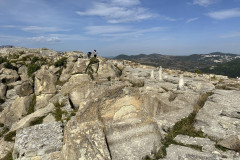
x=75, y=81
x=25, y=121
x=45, y=82
x=16, y=111
x=85, y=141
x=66, y=72
x=38, y=140
x=80, y=66
x=113, y=124
x=8, y=75
x=23, y=73
x=42, y=100
x=25, y=89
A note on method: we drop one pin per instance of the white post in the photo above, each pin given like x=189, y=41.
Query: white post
x=152, y=75
x=160, y=73
x=181, y=82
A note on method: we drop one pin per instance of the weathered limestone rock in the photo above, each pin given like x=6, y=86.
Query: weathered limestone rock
x=206, y=143
x=38, y=140
x=45, y=82
x=106, y=69
x=119, y=126
x=16, y=111
x=74, y=81
x=42, y=100
x=130, y=134
x=24, y=122
x=12, y=94
x=23, y=73
x=80, y=66
x=25, y=89
x=175, y=152
x=8, y=75
x=200, y=85
x=212, y=118
x=49, y=118
x=66, y=73
x=85, y=141
x=170, y=112
x=5, y=147
x=231, y=142
x=81, y=93
x=3, y=89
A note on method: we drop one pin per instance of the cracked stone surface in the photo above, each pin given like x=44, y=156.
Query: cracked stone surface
x=38, y=140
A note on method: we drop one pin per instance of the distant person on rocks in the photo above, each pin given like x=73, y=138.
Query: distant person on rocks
x=95, y=53
x=89, y=54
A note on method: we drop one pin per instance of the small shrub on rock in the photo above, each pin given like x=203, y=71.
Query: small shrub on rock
x=21, y=52
x=61, y=62
x=58, y=111
x=34, y=59
x=8, y=156
x=32, y=68
x=38, y=120
x=2, y=101
x=3, y=59
x=10, y=136
x=4, y=130
x=137, y=83
x=8, y=65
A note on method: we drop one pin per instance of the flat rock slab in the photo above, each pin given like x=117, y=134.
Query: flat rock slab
x=206, y=143
x=218, y=117
x=176, y=152
x=38, y=140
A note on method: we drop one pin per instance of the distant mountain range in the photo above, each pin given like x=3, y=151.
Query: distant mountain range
x=197, y=62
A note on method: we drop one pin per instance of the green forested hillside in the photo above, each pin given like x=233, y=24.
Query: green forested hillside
x=230, y=69
x=187, y=63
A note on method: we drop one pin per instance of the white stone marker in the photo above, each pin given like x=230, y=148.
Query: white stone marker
x=152, y=75
x=181, y=82
x=160, y=73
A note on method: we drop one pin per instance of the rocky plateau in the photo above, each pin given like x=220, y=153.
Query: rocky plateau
x=69, y=107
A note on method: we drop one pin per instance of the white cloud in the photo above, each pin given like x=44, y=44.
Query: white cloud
x=118, y=32
x=126, y=2
x=204, y=3
x=225, y=14
x=115, y=13
x=231, y=35
x=192, y=19
x=43, y=39
x=42, y=29
x=106, y=29
x=35, y=29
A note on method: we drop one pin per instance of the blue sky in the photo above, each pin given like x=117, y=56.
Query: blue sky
x=176, y=27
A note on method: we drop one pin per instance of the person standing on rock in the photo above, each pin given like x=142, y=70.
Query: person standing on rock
x=95, y=53
x=89, y=54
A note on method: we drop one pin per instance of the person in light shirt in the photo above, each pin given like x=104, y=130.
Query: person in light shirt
x=95, y=53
